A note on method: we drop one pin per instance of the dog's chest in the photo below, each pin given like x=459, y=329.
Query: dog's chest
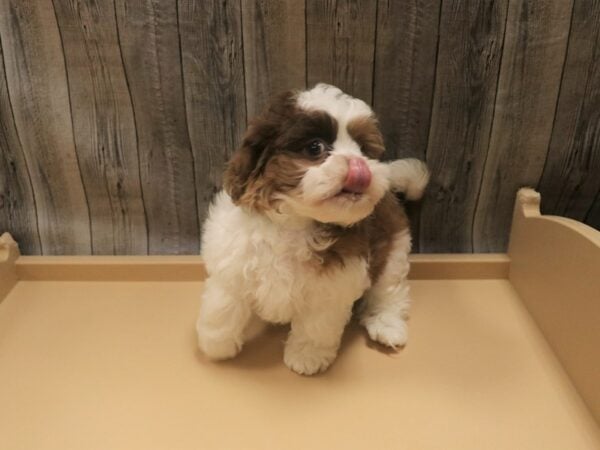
x=286, y=274
x=279, y=270
x=276, y=267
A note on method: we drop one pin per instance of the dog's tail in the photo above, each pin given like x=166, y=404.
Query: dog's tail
x=409, y=176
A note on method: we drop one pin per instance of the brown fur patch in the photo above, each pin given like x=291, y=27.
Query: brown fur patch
x=244, y=165
x=282, y=173
x=273, y=154
x=371, y=238
x=365, y=131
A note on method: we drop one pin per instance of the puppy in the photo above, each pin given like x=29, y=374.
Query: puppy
x=306, y=225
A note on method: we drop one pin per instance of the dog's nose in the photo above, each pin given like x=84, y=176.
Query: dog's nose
x=358, y=177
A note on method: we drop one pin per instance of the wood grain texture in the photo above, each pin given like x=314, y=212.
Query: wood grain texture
x=593, y=216
x=117, y=117
x=471, y=35
x=404, y=76
x=405, y=56
x=17, y=203
x=340, y=44
x=149, y=40
x=532, y=62
x=213, y=71
x=38, y=91
x=571, y=179
x=274, y=49
x=104, y=127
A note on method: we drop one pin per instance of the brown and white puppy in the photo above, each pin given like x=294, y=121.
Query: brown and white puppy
x=307, y=224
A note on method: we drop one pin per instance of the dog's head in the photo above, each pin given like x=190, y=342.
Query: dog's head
x=313, y=154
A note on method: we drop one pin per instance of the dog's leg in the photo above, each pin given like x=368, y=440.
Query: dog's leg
x=222, y=322
x=315, y=337
x=387, y=302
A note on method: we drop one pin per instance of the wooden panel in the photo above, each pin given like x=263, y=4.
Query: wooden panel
x=108, y=268
x=340, y=41
x=104, y=127
x=405, y=55
x=213, y=69
x=117, y=117
x=593, y=216
x=274, y=49
x=559, y=285
x=37, y=86
x=17, y=204
x=571, y=179
x=407, y=34
x=532, y=62
x=150, y=46
x=470, y=45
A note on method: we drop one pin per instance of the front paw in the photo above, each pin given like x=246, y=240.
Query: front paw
x=216, y=345
x=308, y=359
x=388, y=330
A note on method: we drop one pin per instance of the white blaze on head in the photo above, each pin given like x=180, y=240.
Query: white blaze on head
x=334, y=102
x=342, y=107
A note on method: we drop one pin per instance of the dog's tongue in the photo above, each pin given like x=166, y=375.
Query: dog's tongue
x=359, y=176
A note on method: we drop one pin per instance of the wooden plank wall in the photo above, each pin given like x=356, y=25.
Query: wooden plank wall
x=117, y=116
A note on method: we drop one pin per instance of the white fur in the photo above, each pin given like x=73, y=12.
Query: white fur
x=332, y=100
x=258, y=266
x=387, y=302
x=317, y=197
x=409, y=176
x=262, y=266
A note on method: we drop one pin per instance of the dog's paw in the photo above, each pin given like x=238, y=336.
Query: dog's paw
x=387, y=330
x=307, y=359
x=217, y=348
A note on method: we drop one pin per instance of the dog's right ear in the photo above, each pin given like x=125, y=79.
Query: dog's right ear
x=238, y=172
x=248, y=161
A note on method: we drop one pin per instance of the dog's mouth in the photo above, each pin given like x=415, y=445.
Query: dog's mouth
x=357, y=180
x=348, y=195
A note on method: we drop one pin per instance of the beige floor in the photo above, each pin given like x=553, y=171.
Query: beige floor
x=113, y=365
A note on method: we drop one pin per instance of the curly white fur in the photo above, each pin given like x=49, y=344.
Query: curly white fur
x=260, y=268
x=261, y=265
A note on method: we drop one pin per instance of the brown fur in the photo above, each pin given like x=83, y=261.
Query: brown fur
x=245, y=164
x=272, y=157
x=365, y=131
x=282, y=173
x=371, y=238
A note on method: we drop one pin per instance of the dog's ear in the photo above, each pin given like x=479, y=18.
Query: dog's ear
x=248, y=161
x=238, y=172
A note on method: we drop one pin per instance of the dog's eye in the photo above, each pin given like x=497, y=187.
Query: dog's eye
x=315, y=148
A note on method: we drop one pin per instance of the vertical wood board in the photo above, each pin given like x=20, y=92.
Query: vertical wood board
x=471, y=38
x=17, y=203
x=570, y=184
x=149, y=39
x=104, y=127
x=532, y=62
x=340, y=44
x=38, y=91
x=213, y=72
x=274, y=49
